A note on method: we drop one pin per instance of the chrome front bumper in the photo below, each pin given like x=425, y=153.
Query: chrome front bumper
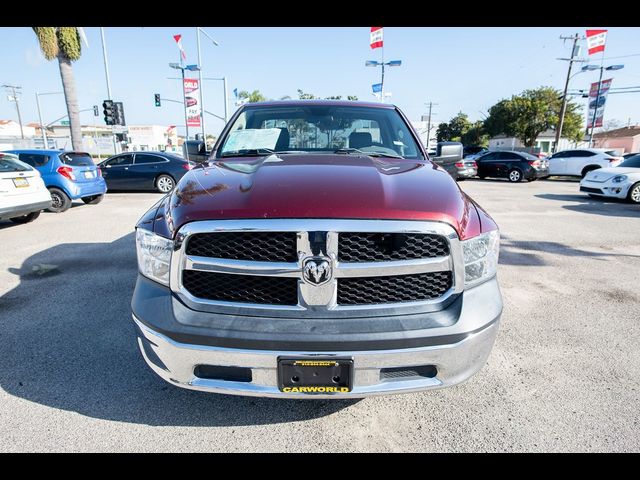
x=175, y=362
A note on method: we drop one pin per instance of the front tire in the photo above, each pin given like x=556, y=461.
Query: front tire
x=93, y=199
x=586, y=170
x=634, y=193
x=515, y=176
x=60, y=202
x=29, y=217
x=165, y=183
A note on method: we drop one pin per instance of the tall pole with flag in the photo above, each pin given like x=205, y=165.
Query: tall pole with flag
x=376, y=41
x=596, y=40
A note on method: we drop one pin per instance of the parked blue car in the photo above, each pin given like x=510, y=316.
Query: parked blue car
x=68, y=176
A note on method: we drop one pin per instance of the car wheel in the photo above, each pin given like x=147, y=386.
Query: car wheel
x=165, y=183
x=515, y=176
x=93, y=199
x=482, y=177
x=30, y=217
x=60, y=202
x=634, y=193
x=586, y=170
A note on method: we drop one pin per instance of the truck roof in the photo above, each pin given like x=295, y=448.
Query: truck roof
x=298, y=103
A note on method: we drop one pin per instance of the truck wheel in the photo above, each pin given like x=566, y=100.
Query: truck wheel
x=165, y=183
x=29, y=217
x=515, y=176
x=60, y=202
x=93, y=199
x=634, y=193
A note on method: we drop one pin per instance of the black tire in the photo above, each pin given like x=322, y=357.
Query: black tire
x=588, y=169
x=482, y=177
x=514, y=175
x=634, y=193
x=60, y=202
x=29, y=217
x=93, y=199
x=165, y=183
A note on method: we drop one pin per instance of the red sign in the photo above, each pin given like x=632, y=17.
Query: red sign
x=192, y=101
x=375, y=39
x=596, y=40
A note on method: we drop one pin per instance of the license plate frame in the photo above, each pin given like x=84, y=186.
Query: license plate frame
x=89, y=175
x=315, y=375
x=20, y=182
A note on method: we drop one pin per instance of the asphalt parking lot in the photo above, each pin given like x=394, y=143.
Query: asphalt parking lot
x=564, y=373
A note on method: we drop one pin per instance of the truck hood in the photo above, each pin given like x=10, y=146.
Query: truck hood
x=319, y=186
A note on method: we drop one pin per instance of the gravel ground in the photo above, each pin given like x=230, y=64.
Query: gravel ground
x=564, y=374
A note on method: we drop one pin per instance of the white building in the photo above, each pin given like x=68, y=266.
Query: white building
x=11, y=129
x=544, y=143
x=152, y=137
x=421, y=128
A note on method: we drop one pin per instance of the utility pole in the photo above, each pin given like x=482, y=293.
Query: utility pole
x=431, y=104
x=595, y=110
x=574, y=52
x=14, y=98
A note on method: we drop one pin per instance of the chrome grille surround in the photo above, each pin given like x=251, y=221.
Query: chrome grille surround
x=317, y=301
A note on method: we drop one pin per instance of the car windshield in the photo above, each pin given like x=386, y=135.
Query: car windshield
x=76, y=159
x=10, y=163
x=343, y=129
x=631, y=162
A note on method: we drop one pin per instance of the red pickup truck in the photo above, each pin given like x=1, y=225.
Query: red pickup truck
x=319, y=253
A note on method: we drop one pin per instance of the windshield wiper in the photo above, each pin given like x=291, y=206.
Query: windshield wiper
x=249, y=152
x=370, y=154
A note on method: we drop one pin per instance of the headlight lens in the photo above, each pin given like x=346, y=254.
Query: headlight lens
x=619, y=178
x=480, y=257
x=154, y=255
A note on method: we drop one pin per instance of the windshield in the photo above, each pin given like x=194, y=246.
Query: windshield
x=320, y=129
x=631, y=162
x=76, y=159
x=10, y=163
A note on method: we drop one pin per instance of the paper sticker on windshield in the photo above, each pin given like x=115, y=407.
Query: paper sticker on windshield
x=252, y=138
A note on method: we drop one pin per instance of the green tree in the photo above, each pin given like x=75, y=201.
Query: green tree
x=458, y=126
x=443, y=133
x=527, y=115
x=252, y=97
x=63, y=43
x=475, y=135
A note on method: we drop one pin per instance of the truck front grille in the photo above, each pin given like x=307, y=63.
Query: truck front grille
x=393, y=289
x=241, y=288
x=384, y=247
x=270, y=267
x=256, y=246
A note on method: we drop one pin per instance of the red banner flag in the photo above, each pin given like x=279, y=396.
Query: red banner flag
x=178, y=39
x=375, y=38
x=596, y=40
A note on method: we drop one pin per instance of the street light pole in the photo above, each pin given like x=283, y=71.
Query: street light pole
x=204, y=138
x=184, y=102
x=44, y=135
x=106, y=73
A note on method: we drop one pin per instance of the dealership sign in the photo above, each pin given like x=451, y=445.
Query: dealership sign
x=192, y=102
x=597, y=102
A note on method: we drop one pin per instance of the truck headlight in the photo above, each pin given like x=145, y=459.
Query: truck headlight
x=480, y=257
x=619, y=178
x=154, y=255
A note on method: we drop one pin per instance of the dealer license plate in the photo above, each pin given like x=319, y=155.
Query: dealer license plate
x=315, y=375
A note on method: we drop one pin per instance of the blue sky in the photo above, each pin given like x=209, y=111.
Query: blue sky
x=460, y=69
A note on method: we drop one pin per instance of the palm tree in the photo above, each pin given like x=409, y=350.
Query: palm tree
x=63, y=43
x=252, y=97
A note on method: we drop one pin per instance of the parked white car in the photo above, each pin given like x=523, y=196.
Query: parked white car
x=23, y=194
x=622, y=181
x=579, y=162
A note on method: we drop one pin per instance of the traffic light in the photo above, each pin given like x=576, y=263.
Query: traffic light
x=107, y=105
x=118, y=114
x=96, y=112
x=157, y=97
